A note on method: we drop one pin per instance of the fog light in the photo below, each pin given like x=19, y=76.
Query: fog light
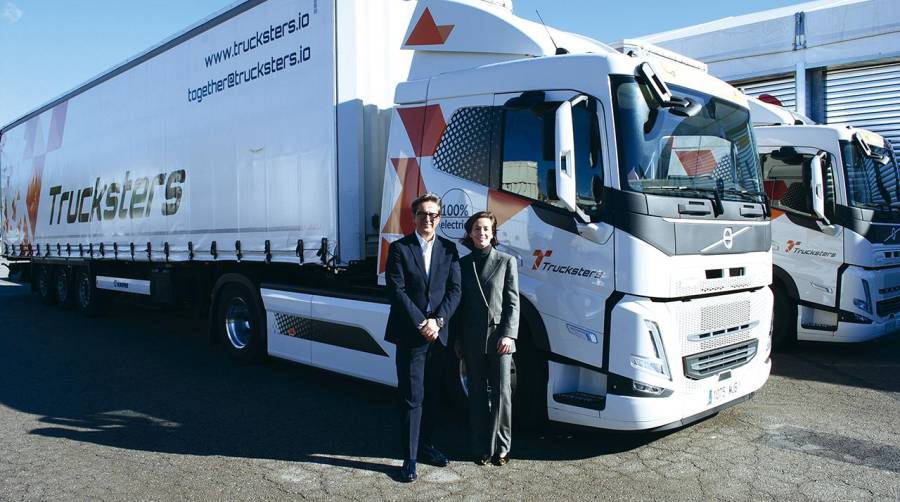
x=647, y=388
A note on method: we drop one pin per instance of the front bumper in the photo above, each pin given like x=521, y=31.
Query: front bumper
x=702, y=325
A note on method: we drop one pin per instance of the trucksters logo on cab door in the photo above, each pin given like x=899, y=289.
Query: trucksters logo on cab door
x=793, y=247
x=540, y=263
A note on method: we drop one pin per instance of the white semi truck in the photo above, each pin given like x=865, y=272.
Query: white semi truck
x=835, y=227
x=260, y=163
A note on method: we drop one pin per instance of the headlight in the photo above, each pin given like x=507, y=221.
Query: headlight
x=658, y=364
x=864, y=304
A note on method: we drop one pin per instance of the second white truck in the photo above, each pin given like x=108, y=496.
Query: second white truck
x=835, y=227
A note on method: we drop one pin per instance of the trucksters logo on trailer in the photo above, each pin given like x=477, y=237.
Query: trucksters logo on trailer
x=110, y=200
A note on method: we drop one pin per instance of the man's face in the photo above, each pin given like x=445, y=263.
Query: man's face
x=427, y=218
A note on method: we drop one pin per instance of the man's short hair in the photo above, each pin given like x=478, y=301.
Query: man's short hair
x=428, y=197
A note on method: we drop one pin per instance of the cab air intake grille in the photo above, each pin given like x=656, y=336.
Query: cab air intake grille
x=715, y=361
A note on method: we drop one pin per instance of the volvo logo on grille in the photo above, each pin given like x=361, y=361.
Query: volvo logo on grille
x=728, y=238
x=893, y=235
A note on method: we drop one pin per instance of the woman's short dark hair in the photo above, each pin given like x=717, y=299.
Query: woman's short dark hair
x=467, y=240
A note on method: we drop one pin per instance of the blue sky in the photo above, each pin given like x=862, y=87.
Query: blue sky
x=51, y=46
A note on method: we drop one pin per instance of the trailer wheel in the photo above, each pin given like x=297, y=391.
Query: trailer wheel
x=88, y=297
x=240, y=321
x=531, y=373
x=46, y=285
x=64, y=290
x=784, y=333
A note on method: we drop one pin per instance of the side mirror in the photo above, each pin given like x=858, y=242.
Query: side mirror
x=817, y=185
x=565, y=156
x=657, y=86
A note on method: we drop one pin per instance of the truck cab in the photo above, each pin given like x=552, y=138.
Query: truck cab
x=628, y=189
x=835, y=228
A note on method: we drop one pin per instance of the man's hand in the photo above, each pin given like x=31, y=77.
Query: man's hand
x=505, y=345
x=429, y=329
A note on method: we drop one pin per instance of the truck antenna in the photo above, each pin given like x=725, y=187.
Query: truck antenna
x=558, y=49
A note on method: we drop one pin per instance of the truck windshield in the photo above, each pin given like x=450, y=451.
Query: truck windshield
x=871, y=176
x=663, y=152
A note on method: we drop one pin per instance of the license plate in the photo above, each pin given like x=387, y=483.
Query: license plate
x=723, y=393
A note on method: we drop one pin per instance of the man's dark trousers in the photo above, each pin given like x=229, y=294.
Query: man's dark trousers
x=419, y=362
x=419, y=383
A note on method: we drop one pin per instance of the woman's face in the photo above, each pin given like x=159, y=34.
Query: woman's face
x=482, y=232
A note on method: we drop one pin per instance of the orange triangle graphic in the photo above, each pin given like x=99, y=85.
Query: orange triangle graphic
x=427, y=32
x=400, y=220
x=382, y=259
x=505, y=206
x=424, y=126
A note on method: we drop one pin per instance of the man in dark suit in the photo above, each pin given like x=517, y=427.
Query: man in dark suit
x=423, y=281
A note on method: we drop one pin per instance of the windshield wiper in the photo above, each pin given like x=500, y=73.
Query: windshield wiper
x=747, y=194
x=875, y=205
x=716, y=198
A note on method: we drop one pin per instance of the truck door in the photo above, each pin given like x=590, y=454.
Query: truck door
x=808, y=249
x=456, y=162
x=565, y=271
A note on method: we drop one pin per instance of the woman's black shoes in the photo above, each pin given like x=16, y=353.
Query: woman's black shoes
x=482, y=460
x=500, y=460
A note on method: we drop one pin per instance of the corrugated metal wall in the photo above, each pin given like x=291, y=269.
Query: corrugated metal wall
x=783, y=88
x=866, y=97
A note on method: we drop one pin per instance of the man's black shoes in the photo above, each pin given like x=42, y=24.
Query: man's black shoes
x=408, y=471
x=432, y=456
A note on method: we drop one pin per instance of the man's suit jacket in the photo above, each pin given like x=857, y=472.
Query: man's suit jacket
x=410, y=289
x=490, y=303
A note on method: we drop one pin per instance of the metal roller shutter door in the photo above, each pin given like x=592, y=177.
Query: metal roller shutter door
x=867, y=97
x=783, y=88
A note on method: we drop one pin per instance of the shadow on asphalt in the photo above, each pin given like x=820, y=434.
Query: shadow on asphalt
x=872, y=365
x=140, y=380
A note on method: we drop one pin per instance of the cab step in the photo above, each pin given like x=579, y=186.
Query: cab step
x=582, y=400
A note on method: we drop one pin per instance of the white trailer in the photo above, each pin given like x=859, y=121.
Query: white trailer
x=835, y=227
x=260, y=163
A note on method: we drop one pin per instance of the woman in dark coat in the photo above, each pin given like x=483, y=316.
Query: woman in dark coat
x=487, y=324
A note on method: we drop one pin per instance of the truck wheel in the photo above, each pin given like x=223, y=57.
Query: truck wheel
x=64, y=290
x=530, y=375
x=88, y=298
x=46, y=285
x=240, y=320
x=784, y=333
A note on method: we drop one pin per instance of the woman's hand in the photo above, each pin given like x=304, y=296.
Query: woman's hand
x=505, y=345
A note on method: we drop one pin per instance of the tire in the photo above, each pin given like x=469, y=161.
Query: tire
x=65, y=292
x=240, y=322
x=46, y=284
x=88, y=298
x=784, y=332
x=530, y=375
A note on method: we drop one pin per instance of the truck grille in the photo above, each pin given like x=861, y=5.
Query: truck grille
x=711, y=362
x=888, y=307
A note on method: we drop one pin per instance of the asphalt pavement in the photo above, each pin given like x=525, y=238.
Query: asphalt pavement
x=137, y=405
